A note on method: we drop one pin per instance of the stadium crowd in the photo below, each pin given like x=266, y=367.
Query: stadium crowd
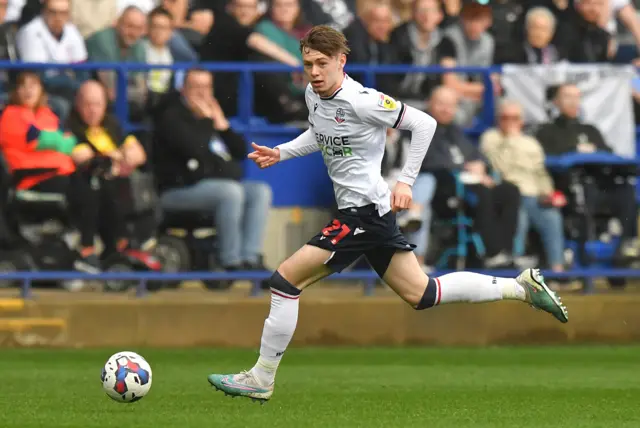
x=59, y=133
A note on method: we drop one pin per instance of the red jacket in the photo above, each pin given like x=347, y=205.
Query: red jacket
x=20, y=152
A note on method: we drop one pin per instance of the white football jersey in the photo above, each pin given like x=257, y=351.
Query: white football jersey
x=350, y=128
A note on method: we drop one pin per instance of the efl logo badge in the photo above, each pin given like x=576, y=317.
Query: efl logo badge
x=340, y=116
x=388, y=103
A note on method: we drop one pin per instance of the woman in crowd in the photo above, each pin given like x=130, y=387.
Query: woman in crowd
x=38, y=155
x=285, y=27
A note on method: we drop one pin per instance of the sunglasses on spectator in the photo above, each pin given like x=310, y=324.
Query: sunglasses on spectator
x=510, y=117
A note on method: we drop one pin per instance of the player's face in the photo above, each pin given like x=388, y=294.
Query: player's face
x=325, y=73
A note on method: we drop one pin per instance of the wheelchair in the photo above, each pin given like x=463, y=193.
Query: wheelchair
x=187, y=242
x=453, y=242
x=35, y=235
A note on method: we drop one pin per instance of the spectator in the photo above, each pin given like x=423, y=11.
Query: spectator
x=624, y=12
x=285, y=27
x=99, y=135
x=496, y=211
x=145, y=6
x=519, y=159
x=188, y=34
x=199, y=168
x=339, y=14
x=51, y=38
x=416, y=221
x=122, y=43
x=468, y=44
x=582, y=37
x=369, y=41
x=233, y=39
x=92, y=16
x=38, y=156
x=158, y=52
x=8, y=49
x=567, y=134
x=537, y=48
x=415, y=43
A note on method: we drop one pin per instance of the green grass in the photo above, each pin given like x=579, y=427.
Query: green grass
x=391, y=388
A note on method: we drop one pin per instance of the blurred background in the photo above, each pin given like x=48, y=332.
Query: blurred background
x=125, y=126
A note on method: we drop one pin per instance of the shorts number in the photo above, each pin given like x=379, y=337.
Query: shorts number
x=336, y=225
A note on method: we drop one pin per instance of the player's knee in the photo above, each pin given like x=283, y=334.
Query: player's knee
x=280, y=284
x=430, y=298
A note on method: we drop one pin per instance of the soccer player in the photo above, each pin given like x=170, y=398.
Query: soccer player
x=348, y=124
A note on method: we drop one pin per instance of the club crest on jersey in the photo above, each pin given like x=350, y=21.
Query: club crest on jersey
x=340, y=116
x=386, y=102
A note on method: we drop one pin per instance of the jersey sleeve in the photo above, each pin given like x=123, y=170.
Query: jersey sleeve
x=378, y=109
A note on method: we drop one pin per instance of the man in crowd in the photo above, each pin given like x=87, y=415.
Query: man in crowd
x=568, y=134
x=122, y=43
x=198, y=161
x=52, y=38
x=496, y=210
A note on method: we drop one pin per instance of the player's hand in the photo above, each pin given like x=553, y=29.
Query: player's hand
x=401, y=197
x=264, y=156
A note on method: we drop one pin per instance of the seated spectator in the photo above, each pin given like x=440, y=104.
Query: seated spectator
x=466, y=44
x=159, y=81
x=285, y=27
x=416, y=221
x=199, y=164
x=567, y=134
x=496, y=210
x=122, y=43
x=339, y=14
x=415, y=43
x=368, y=39
x=8, y=48
x=233, y=39
x=188, y=34
x=99, y=135
x=537, y=48
x=582, y=36
x=92, y=16
x=38, y=156
x=519, y=159
x=52, y=38
x=622, y=11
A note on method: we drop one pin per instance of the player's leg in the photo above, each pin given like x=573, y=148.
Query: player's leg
x=401, y=271
x=305, y=267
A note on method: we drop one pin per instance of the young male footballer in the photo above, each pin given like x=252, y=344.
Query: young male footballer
x=348, y=124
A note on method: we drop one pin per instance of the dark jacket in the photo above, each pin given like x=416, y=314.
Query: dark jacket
x=563, y=135
x=109, y=124
x=364, y=50
x=450, y=149
x=583, y=41
x=401, y=44
x=184, y=154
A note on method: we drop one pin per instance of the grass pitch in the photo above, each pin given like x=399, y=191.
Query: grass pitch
x=391, y=388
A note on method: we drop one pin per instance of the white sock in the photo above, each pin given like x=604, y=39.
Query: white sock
x=276, y=335
x=476, y=288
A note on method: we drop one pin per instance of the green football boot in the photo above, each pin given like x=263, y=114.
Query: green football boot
x=540, y=296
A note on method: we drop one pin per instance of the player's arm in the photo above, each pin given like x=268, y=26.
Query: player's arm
x=379, y=109
x=304, y=144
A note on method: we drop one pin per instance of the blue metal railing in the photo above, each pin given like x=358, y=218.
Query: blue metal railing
x=246, y=83
x=245, y=89
x=369, y=277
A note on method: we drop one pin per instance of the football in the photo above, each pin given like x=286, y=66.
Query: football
x=126, y=377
